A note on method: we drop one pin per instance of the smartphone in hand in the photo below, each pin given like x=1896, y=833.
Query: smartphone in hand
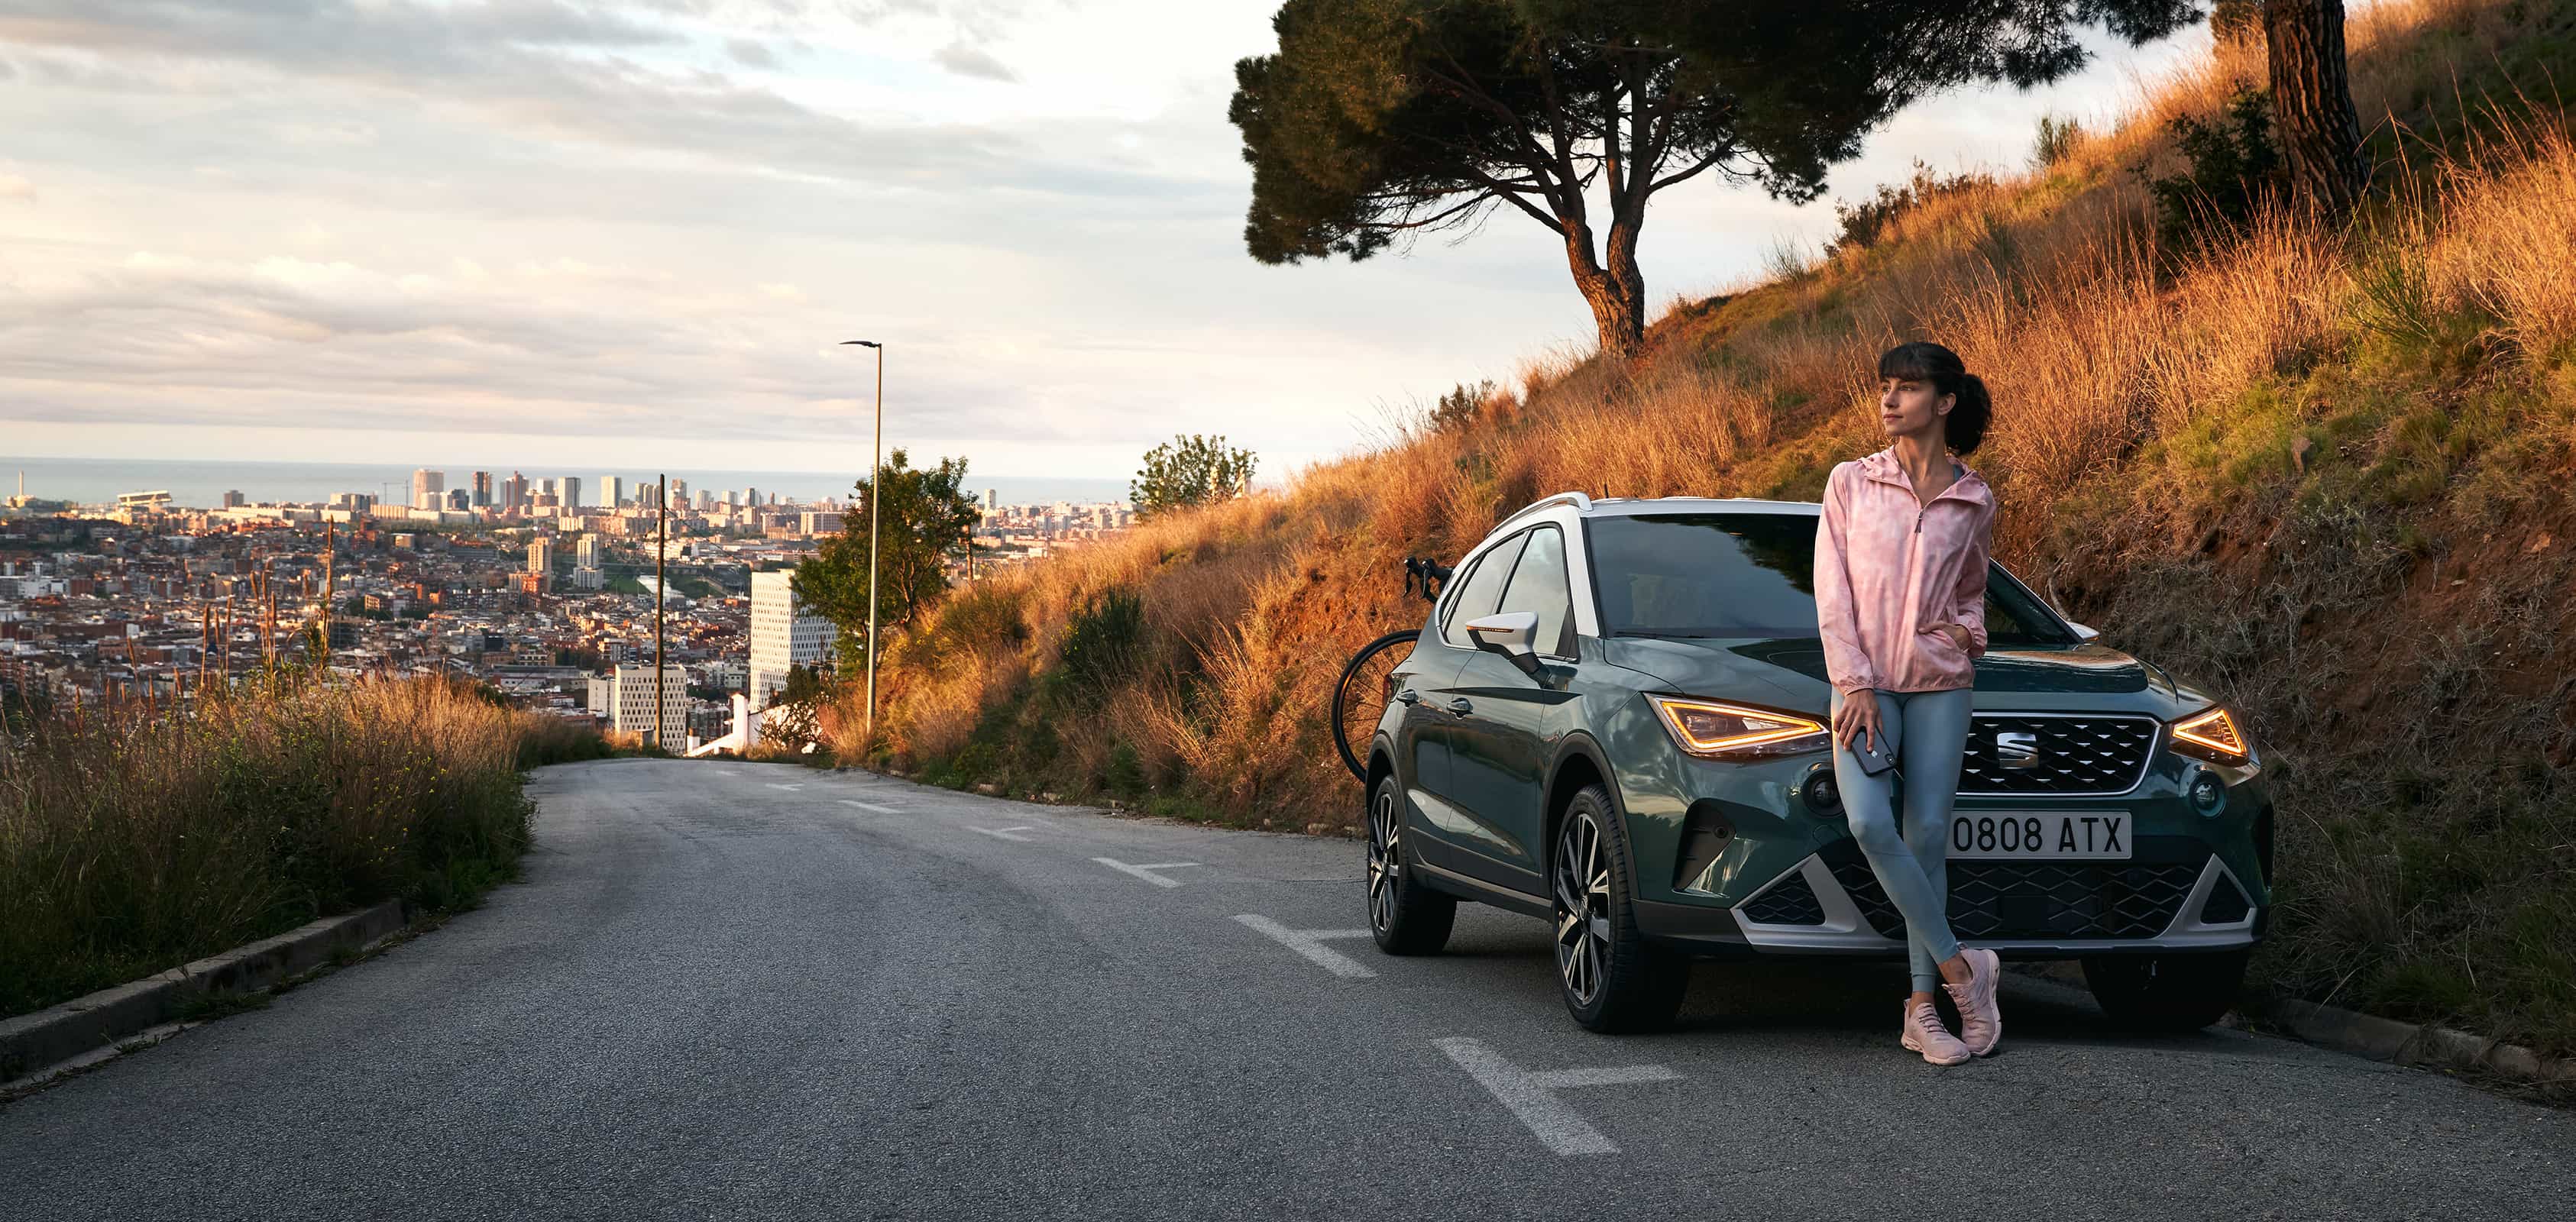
x=1870, y=751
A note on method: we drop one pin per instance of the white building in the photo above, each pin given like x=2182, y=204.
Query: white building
x=631, y=702
x=612, y=489
x=428, y=488
x=781, y=638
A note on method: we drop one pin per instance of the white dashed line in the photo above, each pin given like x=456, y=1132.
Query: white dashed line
x=1532, y=1096
x=1310, y=943
x=1006, y=833
x=788, y=788
x=882, y=810
x=1140, y=870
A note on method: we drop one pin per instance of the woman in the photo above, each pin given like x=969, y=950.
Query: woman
x=1900, y=595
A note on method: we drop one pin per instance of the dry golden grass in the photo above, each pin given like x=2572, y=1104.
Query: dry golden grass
x=135, y=840
x=2147, y=405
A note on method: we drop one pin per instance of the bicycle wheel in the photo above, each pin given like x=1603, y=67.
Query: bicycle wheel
x=1359, y=698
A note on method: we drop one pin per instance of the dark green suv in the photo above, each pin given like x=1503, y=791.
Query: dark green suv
x=1615, y=720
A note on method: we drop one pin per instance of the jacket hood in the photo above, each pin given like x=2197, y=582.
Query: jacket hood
x=1882, y=466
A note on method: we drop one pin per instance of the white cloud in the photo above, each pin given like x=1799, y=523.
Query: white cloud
x=649, y=222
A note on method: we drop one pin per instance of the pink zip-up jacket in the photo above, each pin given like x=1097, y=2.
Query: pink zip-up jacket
x=1890, y=568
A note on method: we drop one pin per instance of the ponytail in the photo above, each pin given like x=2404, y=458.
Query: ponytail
x=1964, y=429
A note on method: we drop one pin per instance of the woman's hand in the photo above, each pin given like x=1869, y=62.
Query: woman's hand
x=1858, y=715
x=1958, y=634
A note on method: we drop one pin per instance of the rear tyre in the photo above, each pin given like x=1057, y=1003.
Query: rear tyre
x=2166, y=992
x=1406, y=916
x=1612, y=979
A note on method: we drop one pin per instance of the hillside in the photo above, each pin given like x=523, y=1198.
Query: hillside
x=2322, y=474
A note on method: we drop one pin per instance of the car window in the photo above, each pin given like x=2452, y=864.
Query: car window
x=1748, y=575
x=1477, y=594
x=1538, y=584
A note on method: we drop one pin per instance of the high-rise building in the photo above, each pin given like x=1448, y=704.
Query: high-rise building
x=234, y=499
x=458, y=498
x=612, y=491
x=630, y=702
x=572, y=492
x=780, y=637
x=482, y=490
x=992, y=499
x=541, y=555
x=679, y=494
x=428, y=489
x=514, y=492
x=585, y=551
x=546, y=487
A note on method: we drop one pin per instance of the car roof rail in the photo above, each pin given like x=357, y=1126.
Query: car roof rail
x=1581, y=503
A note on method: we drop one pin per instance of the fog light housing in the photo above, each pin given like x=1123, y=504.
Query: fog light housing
x=1821, y=795
x=2207, y=792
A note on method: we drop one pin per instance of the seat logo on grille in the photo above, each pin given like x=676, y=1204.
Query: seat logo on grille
x=2017, y=748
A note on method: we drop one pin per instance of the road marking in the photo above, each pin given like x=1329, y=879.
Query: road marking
x=1006, y=833
x=788, y=788
x=1532, y=1096
x=1310, y=943
x=1140, y=870
x=882, y=810
x=727, y=772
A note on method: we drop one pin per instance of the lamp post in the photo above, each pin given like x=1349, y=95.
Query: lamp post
x=876, y=497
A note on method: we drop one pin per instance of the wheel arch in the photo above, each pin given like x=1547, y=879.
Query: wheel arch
x=1579, y=761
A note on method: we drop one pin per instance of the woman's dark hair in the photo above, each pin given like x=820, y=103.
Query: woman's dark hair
x=1924, y=361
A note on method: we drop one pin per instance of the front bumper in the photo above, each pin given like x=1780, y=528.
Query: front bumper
x=1829, y=903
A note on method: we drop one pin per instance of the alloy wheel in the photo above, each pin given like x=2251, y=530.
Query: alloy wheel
x=1582, y=906
x=1384, y=865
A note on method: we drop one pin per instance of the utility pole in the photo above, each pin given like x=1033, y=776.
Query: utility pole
x=330, y=589
x=876, y=498
x=661, y=548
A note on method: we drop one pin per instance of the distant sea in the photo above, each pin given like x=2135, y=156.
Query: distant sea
x=90, y=481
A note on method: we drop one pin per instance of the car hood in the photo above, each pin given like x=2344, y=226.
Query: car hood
x=2091, y=675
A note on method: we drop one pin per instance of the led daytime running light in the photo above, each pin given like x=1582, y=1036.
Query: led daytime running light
x=2213, y=729
x=1751, y=729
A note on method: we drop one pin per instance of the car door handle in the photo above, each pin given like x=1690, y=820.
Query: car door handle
x=1408, y=696
x=1461, y=707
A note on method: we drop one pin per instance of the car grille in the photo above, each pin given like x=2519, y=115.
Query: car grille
x=1789, y=901
x=2029, y=899
x=2098, y=754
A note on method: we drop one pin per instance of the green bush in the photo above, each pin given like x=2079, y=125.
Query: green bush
x=2235, y=169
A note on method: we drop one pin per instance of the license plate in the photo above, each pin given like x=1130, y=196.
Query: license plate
x=2040, y=835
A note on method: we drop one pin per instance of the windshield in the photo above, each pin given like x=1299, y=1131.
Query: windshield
x=1748, y=575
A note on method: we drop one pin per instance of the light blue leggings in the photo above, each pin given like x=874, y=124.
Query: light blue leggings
x=1928, y=733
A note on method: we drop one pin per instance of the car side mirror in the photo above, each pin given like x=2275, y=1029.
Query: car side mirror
x=2082, y=632
x=1508, y=633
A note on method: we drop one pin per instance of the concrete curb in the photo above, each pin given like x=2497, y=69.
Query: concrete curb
x=33, y=1043
x=2368, y=1035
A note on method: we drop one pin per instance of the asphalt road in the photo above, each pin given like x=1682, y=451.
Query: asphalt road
x=745, y=991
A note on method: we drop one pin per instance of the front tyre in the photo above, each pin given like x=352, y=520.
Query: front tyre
x=1406, y=916
x=1611, y=977
x=2166, y=992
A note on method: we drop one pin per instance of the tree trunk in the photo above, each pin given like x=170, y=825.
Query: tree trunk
x=2312, y=101
x=1617, y=293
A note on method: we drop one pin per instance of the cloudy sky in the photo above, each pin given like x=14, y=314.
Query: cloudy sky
x=555, y=232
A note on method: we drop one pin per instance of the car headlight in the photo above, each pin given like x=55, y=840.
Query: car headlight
x=2211, y=734
x=1720, y=730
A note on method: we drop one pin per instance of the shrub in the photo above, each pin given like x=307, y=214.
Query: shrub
x=2235, y=169
x=2056, y=139
x=1866, y=222
x=1103, y=641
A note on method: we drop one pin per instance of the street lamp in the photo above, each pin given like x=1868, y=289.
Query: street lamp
x=876, y=497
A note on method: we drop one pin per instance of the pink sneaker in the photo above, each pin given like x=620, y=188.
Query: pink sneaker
x=1924, y=1032
x=1981, y=1021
